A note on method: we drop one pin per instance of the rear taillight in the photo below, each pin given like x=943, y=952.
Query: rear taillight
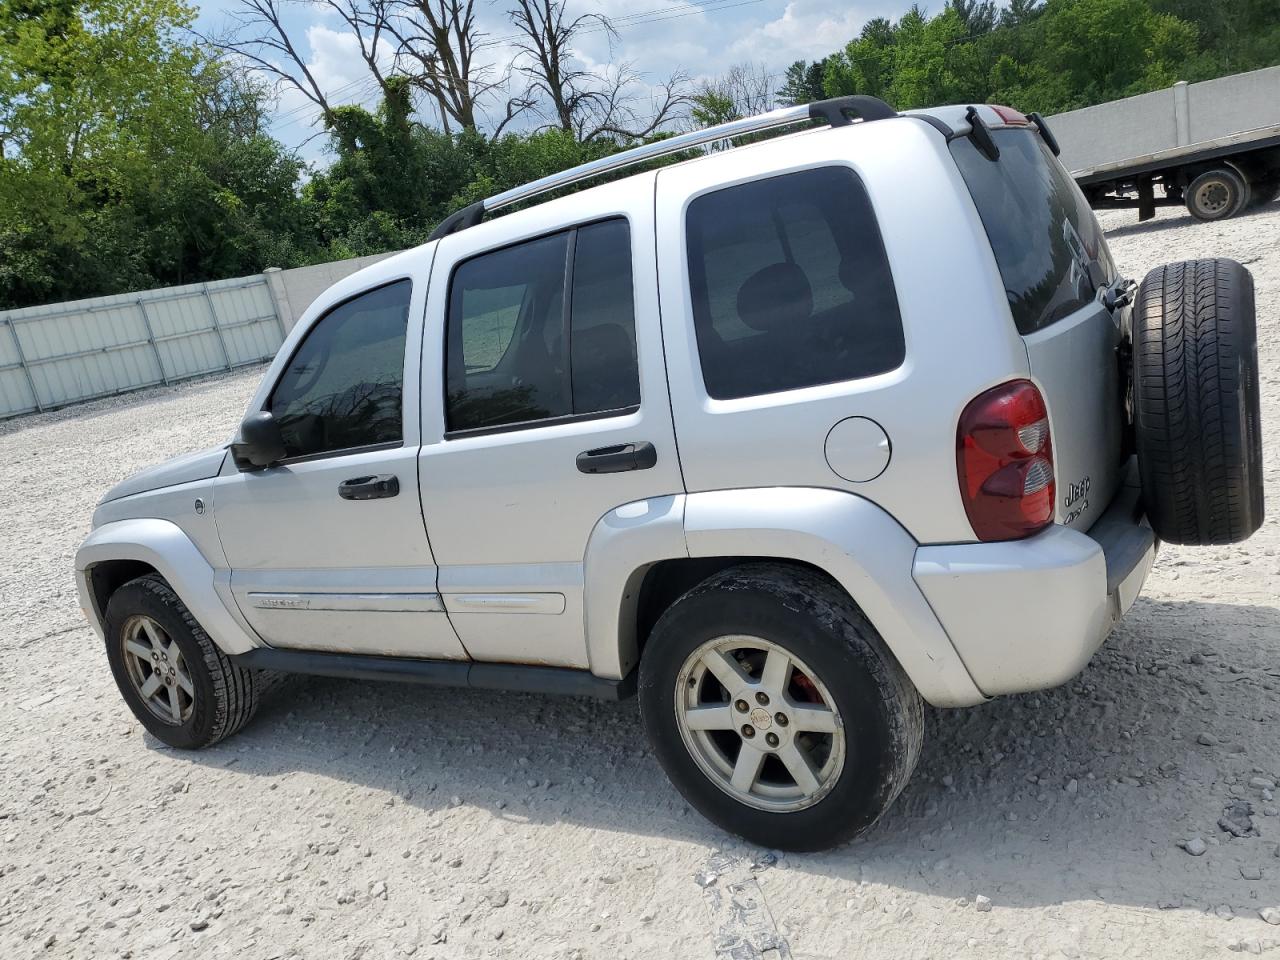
x=1011, y=116
x=1004, y=456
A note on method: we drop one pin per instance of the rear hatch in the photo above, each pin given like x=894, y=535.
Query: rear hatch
x=1054, y=263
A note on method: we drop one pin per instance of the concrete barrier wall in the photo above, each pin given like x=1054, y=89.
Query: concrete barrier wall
x=294, y=290
x=63, y=353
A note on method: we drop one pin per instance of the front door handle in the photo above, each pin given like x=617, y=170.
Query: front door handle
x=617, y=458
x=369, y=488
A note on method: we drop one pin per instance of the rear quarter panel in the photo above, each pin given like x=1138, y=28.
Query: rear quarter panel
x=959, y=339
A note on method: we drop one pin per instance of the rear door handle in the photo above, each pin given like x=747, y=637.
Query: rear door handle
x=618, y=458
x=369, y=488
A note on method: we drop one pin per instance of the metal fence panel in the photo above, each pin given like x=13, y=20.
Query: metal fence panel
x=63, y=353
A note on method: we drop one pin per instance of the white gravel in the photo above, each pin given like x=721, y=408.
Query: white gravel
x=361, y=820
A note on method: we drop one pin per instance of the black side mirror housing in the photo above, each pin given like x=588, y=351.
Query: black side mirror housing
x=260, y=444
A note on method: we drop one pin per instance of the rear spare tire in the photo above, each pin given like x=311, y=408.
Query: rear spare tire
x=1196, y=419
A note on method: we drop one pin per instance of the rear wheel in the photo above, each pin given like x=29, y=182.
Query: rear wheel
x=1217, y=194
x=1196, y=411
x=776, y=710
x=179, y=685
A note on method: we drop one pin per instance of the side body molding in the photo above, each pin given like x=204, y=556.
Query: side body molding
x=858, y=544
x=163, y=545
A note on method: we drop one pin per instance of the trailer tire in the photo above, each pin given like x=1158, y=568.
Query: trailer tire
x=1197, y=424
x=1217, y=194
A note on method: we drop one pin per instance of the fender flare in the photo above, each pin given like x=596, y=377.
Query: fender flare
x=163, y=545
x=850, y=538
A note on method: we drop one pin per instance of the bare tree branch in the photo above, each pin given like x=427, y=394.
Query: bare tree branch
x=260, y=38
x=441, y=39
x=619, y=114
x=546, y=40
x=582, y=102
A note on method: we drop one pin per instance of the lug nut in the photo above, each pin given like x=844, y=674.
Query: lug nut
x=748, y=731
x=781, y=719
x=771, y=739
x=741, y=706
x=762, y=699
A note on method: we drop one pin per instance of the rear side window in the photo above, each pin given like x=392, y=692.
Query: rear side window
x=342, y=387
x=543, y=331
x=791, y=287
x=1046, y=240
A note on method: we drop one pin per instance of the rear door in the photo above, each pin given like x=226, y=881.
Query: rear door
x=544, y=408
x=1055, y=263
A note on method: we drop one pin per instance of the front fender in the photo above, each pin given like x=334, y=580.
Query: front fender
x=163, y=545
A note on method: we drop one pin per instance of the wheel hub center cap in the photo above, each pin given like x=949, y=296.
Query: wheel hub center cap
x=760, y=719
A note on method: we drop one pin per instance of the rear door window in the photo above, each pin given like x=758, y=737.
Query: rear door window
x=790, y=284
x=1046, y=240
x=543, y=330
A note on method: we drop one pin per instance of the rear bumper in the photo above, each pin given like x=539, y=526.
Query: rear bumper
x=1028, y=614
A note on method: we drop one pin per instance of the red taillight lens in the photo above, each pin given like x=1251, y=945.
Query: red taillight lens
x=1010, y=115
x=1004, y=456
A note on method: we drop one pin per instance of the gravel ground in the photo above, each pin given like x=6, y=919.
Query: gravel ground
x=360, y=820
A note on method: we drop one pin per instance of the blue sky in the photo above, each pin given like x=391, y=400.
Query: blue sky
x=655, y=37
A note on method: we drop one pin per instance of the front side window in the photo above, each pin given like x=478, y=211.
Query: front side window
x=342, y=389
x=543, y=330
x=790, y=285
x=1046, y=240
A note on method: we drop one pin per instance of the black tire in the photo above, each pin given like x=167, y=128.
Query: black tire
x=1264, y=192
x=226, y=695
x=1196, y=412
x=1217, y=194
x=814, y=620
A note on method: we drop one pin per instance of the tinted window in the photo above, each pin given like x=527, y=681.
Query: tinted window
x=342, y=389
x=1045, y=238
x=603, y=324
x=791, y=287
x=517, y=352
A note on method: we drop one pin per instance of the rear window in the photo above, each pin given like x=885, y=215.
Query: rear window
x=1045, y=238
x=791, y=287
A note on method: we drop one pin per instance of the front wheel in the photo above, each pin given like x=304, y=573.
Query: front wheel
x=179, y=685
x=776, y=710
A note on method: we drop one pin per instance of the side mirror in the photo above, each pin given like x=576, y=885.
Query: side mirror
x=260, y=444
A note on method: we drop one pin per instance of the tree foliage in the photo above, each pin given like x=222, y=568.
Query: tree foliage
x=1050, y=56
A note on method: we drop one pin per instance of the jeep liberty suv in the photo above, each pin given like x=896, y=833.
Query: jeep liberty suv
x=788, y=437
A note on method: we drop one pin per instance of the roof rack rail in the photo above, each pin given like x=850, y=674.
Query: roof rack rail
x=837, y=112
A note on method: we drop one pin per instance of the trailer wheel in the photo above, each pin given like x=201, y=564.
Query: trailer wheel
x=1196, y=419
x=1217, y=194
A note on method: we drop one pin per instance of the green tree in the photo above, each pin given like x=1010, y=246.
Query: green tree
x=129, y=158
x=803, y=83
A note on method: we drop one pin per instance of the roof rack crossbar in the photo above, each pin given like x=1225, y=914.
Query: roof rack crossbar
x=832, y=111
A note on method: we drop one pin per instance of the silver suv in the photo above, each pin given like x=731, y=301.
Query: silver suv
x=788, y=437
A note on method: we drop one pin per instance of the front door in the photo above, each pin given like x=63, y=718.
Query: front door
x=552, y=412
x=327, y=549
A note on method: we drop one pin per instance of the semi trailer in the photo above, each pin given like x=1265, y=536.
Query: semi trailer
x=1212, y=146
